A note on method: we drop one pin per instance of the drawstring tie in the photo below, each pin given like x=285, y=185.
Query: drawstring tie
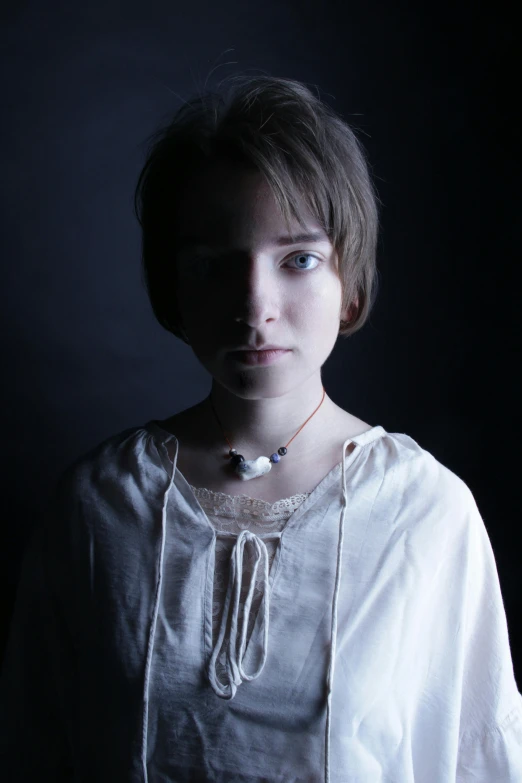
x=234, y=659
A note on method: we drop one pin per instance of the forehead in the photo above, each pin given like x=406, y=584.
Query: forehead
x=227, y=204
x=193, y=241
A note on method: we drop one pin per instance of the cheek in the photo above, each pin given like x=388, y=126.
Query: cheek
x=322, y=303
x=198, y=302
x=315, y=320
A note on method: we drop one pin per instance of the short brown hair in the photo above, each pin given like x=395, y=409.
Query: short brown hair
x=302, y=147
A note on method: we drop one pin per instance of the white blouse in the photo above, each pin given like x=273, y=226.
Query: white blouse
x=371, y=645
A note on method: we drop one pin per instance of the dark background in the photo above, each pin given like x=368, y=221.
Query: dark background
x=432, y=93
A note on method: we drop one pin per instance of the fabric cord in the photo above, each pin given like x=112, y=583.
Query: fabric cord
x=150, y=646
x=331, y=665
x=235, y=671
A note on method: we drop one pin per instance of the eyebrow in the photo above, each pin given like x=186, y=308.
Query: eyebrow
x=313, y=236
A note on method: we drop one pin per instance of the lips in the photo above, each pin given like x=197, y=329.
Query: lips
x=260, y=357
x=261, y=348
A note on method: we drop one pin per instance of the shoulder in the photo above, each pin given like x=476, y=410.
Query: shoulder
x=413, y=464
x=415, y=482
x=109, y=490
x=109, y=462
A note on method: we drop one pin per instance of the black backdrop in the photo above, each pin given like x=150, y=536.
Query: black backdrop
x=432, y=92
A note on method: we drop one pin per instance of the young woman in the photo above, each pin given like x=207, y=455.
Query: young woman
x=261, y=587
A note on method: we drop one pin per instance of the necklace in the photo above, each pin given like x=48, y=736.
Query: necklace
x=253, y=468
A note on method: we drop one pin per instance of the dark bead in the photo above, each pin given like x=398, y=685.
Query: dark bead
x=236, y=459
x=232, y=452
x=281, y=451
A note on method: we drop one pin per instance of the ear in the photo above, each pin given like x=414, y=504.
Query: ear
x=349, y=313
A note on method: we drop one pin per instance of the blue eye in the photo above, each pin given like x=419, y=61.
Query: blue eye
x=303, y=256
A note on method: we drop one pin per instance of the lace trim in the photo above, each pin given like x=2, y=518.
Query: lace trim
x=231, y=506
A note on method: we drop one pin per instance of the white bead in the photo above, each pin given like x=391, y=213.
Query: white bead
x=253, y=468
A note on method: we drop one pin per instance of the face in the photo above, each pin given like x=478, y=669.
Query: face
x=239, y=285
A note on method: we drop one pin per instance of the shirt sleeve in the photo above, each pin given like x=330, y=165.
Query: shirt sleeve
x=490, y=741
x=33, y=742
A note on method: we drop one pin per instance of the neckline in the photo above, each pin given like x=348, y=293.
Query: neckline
x=378, y=431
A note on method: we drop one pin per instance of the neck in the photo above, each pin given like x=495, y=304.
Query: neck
x=260, y=426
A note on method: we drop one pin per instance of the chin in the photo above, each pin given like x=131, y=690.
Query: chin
x=262, y=384
x=250, y=388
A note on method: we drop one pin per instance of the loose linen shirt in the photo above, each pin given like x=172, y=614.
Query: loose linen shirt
x=379, y=652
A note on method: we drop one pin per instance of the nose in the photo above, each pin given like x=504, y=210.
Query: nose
x=255, y=294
